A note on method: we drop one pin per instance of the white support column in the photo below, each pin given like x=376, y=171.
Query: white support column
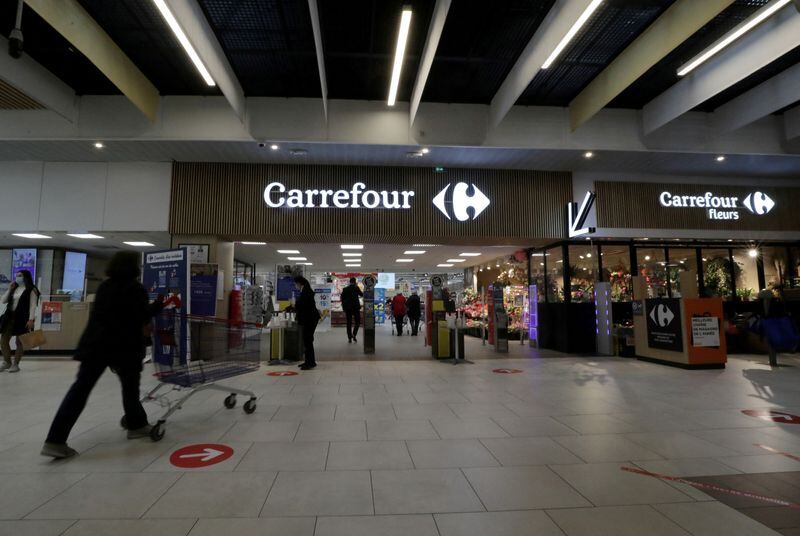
x=553, y=28
x=38, y=83
x=190, y=16
x=791, y=123
x=776, y=93
x=429, y=52
x=766, y=43
x=323, y=81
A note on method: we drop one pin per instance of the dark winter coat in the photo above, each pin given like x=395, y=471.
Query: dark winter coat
x=350, y=296
x=414, y=307
x=20, y=315
x=306, y=308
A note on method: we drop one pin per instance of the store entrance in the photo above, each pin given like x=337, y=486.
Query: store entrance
x=264, y=271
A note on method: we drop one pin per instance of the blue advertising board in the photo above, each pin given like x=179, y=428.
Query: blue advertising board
x=203, y=291
x=166, y=274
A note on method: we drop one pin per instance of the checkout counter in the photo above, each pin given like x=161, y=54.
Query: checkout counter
x=686, y=332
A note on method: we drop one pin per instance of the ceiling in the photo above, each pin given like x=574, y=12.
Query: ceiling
x=270, y=46
x=376, y=257
x=105, y=247
x=652, y=162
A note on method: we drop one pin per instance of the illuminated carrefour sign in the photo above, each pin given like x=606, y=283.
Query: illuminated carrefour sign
x=460, y=201
x=276, y=195
x=719, y=207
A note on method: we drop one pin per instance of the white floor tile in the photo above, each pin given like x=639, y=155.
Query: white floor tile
x=34, y=527
x=522, y=488
x=262, y=431
x=329, y=493
x=397, y=430
x=450, y=453
x=365, y=455
x=312, y=431
x=533, y=426
x=529, y=451
x=297, y=456
x=131, y=527
x=274, y=526
x=423, y=491
x=466, y=428
x=606, y=448
x=417, y=525
x=530, y=523
x=713, y=519
x=615, y=521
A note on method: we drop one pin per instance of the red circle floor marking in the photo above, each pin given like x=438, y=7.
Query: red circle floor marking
x=772, y=416
x=507, y=371
x=202, y=455
x=282, y=373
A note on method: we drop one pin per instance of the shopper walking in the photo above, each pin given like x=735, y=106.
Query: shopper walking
x=352, y=309
x=113, y=338
x=21, y=300
x=307, y=317
x=399, y=311
x=414, y=307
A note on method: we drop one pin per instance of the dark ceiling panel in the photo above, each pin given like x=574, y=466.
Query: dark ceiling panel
x=480, y=44
x=269, y=43
x=56, y=54
x=610, y=30
x=663, y=75
x=138, y=29
x=359, y=38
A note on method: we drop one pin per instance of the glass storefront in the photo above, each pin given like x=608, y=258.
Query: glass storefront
x=746, y=269
x=652, y=266
x=716, y=273
x=681, y=260
x=554, y=261
x=582, y=272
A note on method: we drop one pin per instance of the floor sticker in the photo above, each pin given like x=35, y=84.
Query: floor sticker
x=202, y=455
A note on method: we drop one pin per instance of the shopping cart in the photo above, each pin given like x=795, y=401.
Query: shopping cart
x=192, y=353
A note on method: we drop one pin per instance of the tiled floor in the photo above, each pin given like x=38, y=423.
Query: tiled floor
x=392, y=447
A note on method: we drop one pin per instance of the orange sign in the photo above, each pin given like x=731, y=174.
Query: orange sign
x=706, y=338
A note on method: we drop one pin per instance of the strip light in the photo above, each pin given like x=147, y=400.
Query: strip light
x=571, y=33
x=399, y=53
x=759, y=17
x=184, y=41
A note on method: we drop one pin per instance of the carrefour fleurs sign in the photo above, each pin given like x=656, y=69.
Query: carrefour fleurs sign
x=719, y=207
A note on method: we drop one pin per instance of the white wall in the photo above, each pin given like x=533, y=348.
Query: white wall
x=85, y=196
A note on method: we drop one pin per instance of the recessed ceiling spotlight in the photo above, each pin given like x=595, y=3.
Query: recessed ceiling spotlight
x=99, y=145
x=588, y=154
x=32, y=236
x=424, y=150
x=274, y=147
x=730, y=240
x=721, y=158
x=647, y=257
x=753, y=253
x=85, y=236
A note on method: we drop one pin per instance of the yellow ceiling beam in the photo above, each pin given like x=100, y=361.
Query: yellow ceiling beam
x=79, y=28
x=673, y=27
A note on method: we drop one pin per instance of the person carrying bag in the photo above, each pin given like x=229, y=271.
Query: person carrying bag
x=22, y=300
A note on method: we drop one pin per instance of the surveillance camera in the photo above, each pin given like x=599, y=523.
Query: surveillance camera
x=261, y=144
x=15, y=47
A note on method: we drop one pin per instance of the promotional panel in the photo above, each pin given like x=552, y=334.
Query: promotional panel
x=5, y=274
x=51, y=316
x=23, y=259
x=380, y=305
x=204, y=279
x=74, y=273
x=664, y=329
x=322, y=295
x=704, y=317
x=166, y=273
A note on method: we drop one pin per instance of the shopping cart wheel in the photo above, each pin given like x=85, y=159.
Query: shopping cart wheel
x=249, y=406
x=230, y=401
x=123, y=422
x=157, y=432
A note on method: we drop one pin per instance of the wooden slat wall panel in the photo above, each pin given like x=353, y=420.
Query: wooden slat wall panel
x=13, y=99
x=227, y=200
x=635, y=206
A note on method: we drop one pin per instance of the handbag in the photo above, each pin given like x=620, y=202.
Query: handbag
x=32, y=339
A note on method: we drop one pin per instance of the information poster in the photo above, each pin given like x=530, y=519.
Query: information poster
x=322, y=295
x=51, y=316
x=23, y=259
x=203, y=289
x=664, y=329
x=166, y=273
x=380, y=305
x=705, y=331
x=5, y=275
x=198, y=253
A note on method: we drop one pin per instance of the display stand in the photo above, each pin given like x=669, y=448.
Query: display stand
x=533, y=316
x=602, y=315
x=456, y=342
x=437, y=323
x=368, y=335
x=284, y=342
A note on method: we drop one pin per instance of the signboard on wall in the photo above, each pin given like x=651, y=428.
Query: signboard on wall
x=5, y=274
x=74, y=271
x=23, y=259
x=664, y=329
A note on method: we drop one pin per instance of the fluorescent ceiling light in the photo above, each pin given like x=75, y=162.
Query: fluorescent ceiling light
x=84, y=236
x=757, y=18
x=399, y=53
x=253, y=243
x=456, y=260
x=469, y=254
x=289, y=251
x=352, y=246
x=306, y=263
x=139, y=244
x=414, y=252
x=571, y=33
x=32, y=236
x=297, y=258
x=353, y=265
x=424, y=245
x=404, y=260
x=352, y=255
x=444, y=265
x=184, y=41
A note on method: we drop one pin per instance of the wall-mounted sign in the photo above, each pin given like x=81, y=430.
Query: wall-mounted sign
x=276, y=195
x=576, y=217
x=664, y=324
x=719, y=207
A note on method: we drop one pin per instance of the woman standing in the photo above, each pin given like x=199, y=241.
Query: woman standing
x=114, y=338
x=21, y=301
x=307, y=317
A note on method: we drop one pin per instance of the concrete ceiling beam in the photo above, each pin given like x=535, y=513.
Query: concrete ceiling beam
x=435, y=29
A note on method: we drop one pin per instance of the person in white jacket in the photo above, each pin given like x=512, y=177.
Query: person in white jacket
x=21, y=299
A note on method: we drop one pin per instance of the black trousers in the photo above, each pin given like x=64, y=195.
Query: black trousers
x=414, y=325
x=398, y=320
x=353, y=323
x=77, y=396
x=307, y=332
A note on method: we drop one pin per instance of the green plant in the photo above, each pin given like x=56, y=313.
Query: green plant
x=746, y=294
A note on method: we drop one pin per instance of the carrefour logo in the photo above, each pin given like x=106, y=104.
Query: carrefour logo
x=662, y=315
x=463, y=197
x=719, y=207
